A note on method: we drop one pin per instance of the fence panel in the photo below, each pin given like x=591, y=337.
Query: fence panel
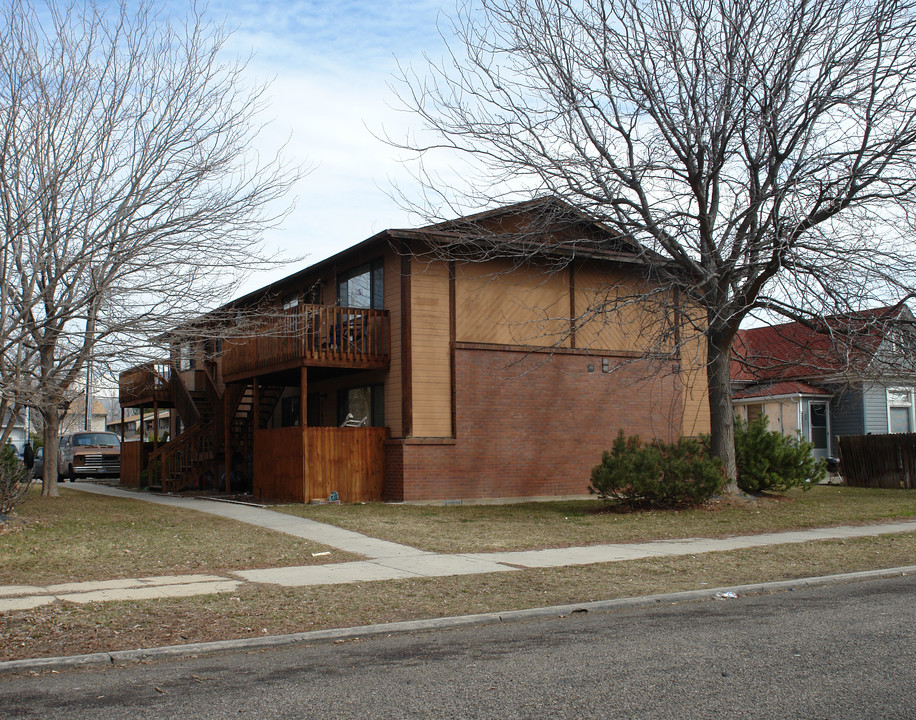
x=879, y=461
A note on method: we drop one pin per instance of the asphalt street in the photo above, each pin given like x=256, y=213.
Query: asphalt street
x=841, y=651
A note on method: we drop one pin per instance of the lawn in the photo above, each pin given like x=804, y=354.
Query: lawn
x=81, y=536
x=526, y=526
x=257, y=610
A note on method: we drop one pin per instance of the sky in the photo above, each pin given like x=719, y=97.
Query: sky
x=331, y=65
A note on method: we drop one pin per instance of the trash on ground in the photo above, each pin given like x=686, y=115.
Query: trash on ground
x=727, y=595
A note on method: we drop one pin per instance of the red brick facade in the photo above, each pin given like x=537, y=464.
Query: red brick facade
x=530, y=425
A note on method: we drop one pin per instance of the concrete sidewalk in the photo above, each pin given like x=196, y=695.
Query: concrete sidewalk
x=384, y=560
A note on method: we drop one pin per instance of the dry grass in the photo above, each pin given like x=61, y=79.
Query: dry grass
x=527, y=526
x=80, y=536
x=255, y=610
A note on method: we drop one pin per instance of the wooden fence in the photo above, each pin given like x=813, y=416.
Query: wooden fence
x=303, y=464
x=134, y=458
x=878, y=461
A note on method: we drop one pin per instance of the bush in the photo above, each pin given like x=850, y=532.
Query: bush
x=657, y=474
x=770, y=461
x=14, y=480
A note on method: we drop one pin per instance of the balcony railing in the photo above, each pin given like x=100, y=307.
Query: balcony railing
x=311, y=335
x=144, y=384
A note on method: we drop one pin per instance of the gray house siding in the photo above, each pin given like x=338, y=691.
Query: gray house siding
x=846, y=414
x=875, y=404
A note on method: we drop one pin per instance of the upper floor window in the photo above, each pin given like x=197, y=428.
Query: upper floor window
x=186, y=359
x=362, y=287
x=290, y=302
x=899, y=410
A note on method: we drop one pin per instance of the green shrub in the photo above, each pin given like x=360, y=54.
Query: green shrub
x=770, y=461
x=14, y=480
x=657, y=474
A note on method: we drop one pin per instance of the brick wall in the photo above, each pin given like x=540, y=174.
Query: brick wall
x=531, y=425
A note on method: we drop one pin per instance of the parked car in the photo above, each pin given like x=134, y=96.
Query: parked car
x=38, y=469
x=89, y=454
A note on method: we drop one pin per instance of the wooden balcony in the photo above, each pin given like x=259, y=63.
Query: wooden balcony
x=144, y=385
x=313, y=335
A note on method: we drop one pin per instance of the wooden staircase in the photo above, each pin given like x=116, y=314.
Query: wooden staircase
x=241, y=424
x=186, y=460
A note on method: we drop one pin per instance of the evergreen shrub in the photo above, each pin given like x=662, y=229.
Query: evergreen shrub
x=657, y=474
x=771, y=462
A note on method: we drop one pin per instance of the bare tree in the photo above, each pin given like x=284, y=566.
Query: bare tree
x=761, y=152
x=130, y=195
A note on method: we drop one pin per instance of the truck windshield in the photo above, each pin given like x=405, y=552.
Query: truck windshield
x=99, y=438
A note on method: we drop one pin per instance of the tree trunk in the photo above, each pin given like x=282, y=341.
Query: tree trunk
x=721, y=413
x=49, y=480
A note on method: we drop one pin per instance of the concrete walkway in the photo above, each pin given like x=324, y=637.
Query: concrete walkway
x=384, y=560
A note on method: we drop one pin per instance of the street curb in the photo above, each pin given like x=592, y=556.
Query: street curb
x=368, y=631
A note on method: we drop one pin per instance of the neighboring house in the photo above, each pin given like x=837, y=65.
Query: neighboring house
x=75, y=419
x=386, y=372
x=18, y=433
x=129, y=427
x=853, y=375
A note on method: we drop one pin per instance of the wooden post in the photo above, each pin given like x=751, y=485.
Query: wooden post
x=255, y=405
x=141, y=424
x=303, y=424
x=227, y=436
x=122, y=424
x=155, y=424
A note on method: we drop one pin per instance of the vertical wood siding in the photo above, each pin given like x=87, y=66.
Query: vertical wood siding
x=348, y=461
x=430, y=350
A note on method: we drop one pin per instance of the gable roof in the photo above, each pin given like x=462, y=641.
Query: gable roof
x=831, y=346
x=778, y=389
x=543, y=226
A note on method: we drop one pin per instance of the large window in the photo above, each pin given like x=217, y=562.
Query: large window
x=900, y=410
x=362, y=287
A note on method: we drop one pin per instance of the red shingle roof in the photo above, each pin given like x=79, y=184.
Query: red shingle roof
x=792, y=350
x=778, y=389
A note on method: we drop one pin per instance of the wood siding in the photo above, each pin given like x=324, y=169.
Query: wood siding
x=694, y=386
x=278, y=466
x=134, y=458
x=499, y=304
x=303, y=464
x=430, y=351
x=348, y=461
x=630, y=328
x=393, y=379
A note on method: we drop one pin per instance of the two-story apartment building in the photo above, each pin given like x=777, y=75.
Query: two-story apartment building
x=461, y=361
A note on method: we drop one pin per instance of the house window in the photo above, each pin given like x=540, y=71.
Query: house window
x=754, y=412
x=290, y=302
x=362, y=402
x=900, y=410
x=186, y=359
x=362, y=287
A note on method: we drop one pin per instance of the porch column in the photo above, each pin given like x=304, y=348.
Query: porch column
x=141, y=424
x=227, y=435
x=303, y=396
x=255, y=405
x=155, y=424
x=303, y=423
x=122, y=423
